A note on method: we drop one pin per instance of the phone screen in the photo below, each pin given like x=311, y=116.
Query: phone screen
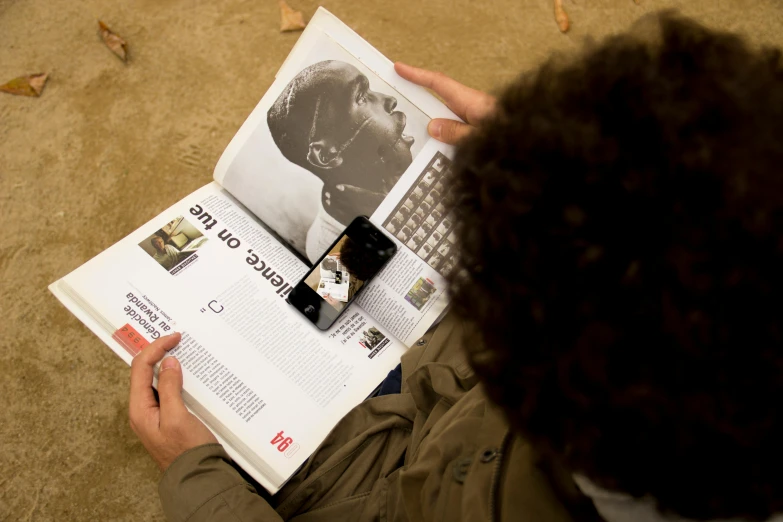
x=347, y=266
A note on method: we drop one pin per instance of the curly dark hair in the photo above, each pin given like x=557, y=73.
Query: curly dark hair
x=620, y=220
x=361, y=261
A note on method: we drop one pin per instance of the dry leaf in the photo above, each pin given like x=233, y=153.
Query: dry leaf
x=561, y=17
x=290, y=20
x=114, y=42
x=31, y=85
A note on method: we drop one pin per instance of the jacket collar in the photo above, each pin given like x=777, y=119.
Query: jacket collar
x=619, y=507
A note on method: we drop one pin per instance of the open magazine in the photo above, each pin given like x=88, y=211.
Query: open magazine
x=337, y=135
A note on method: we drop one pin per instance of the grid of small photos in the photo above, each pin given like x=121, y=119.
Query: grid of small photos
x=421, y=222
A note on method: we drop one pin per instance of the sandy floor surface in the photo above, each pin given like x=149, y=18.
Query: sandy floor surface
x=108, y=146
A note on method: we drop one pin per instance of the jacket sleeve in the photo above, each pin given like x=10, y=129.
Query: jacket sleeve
x=201, y=485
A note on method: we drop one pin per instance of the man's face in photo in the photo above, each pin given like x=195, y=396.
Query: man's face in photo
x=355, y=128
x=157, y=243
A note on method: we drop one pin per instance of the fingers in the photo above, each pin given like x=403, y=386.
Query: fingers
x=469, y=104
x=142, y=371
x=448, y=131
x=170, y=391
x=453, y=93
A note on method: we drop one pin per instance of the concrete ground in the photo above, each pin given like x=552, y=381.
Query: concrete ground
x=108, y=146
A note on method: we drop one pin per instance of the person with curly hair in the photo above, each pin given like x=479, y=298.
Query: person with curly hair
x=615, y=351
x=624, y=213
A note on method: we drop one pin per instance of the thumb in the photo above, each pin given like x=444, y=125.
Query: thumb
x=448, y=131
x=170, y=389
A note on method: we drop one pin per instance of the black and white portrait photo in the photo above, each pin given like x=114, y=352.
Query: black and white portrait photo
x=331, y=122
x=335, y=140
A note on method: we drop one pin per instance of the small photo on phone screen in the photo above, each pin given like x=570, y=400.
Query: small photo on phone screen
x=343, y=271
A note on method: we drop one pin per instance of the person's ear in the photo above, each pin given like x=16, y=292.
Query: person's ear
x=324, y=154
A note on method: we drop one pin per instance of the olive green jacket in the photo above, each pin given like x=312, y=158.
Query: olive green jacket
x=436, y=451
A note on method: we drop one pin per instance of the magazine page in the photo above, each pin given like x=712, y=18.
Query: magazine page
x=263, y=377
x=339, y=135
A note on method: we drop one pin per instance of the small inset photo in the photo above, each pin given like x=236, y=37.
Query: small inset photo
x=435, y=260
x=425, y=251
x=447, y=267
x=174, y=245
x=420, y=293
x=397, y=221
x=371, y=338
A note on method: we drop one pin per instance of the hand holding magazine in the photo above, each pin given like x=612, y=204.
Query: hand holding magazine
x=338, y=134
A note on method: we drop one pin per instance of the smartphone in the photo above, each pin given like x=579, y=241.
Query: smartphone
x=344, y=270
